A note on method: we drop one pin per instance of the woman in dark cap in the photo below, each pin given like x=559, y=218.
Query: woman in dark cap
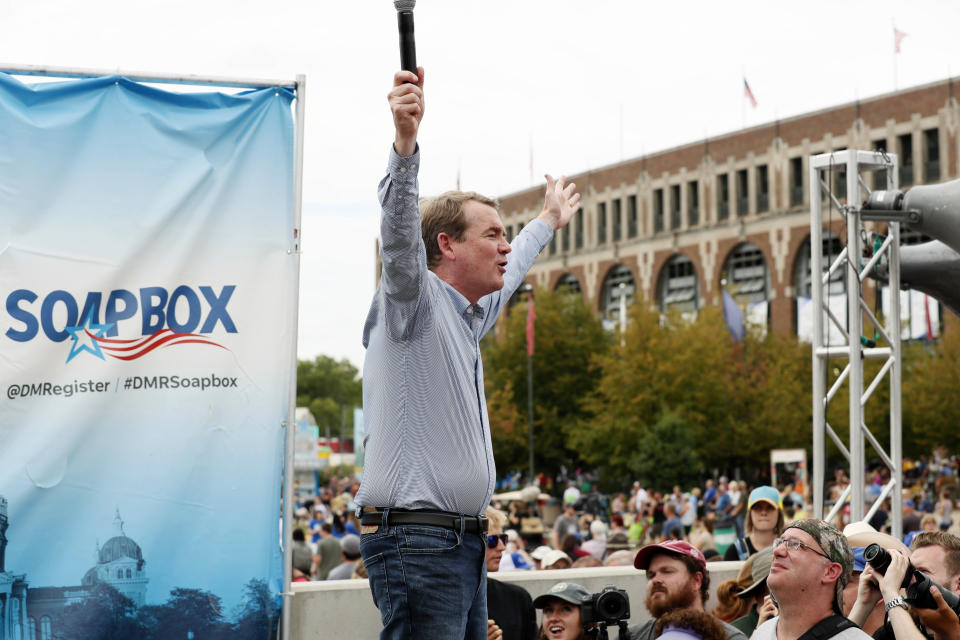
x=562, y=616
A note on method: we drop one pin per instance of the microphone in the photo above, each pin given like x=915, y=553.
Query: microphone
x=408, y=49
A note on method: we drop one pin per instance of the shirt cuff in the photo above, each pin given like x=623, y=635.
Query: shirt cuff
x=404, y=169
x=542, y=231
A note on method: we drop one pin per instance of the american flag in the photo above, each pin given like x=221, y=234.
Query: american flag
x=749, y=94
x=898, y=37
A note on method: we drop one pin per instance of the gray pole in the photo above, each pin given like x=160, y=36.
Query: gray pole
x=530, y=410
x=529, y=289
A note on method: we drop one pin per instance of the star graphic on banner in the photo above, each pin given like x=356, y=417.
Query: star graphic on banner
x=83, y=337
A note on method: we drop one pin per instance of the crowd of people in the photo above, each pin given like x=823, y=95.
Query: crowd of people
x=673, y=537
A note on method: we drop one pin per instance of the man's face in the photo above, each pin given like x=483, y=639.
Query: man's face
x=494, y=555
x=800, y=569
x=670, y=585
x=481, y=256
x=932, y=561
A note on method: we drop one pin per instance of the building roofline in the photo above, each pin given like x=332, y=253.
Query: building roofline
x=739, y=132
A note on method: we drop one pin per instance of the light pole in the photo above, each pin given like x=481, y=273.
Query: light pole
x=528, y=288
x=623, y=314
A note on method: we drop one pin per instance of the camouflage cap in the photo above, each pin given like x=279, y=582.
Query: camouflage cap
x=835, y=547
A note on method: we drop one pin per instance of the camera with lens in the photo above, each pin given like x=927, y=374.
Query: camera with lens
x=915, y=582
x=610, y=606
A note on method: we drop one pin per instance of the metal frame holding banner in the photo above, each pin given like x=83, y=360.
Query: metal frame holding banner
x=149, y=278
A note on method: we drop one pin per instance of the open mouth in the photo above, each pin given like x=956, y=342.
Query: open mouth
x=556, y=630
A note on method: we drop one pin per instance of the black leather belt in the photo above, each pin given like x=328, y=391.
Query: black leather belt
x=471, y=524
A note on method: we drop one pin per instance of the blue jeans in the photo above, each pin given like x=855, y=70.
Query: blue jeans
x=427, y=582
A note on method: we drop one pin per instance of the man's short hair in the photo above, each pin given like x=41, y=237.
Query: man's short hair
x=444, y=214
x=326, y=527
x=497, y=518
x=950, y=544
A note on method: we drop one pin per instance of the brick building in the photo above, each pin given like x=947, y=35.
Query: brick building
x=671, y=226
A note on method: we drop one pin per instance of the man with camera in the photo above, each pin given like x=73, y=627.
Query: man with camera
x=929, y=578
x=677, y=579
x=812, y=563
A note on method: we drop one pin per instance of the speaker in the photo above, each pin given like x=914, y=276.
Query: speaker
x=931, y=267
x=938, y=206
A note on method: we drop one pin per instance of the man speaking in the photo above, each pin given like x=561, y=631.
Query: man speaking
x=429, y=474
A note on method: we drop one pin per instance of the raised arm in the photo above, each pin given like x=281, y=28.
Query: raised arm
x=401, y=245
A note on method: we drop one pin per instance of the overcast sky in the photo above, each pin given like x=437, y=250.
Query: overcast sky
x=581, y=84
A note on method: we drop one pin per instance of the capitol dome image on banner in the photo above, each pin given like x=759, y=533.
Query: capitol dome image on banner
x=148, y=296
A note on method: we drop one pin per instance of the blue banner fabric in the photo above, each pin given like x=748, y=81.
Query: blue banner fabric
x=147, y=315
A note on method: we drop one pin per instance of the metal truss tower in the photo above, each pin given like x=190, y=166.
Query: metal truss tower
x=856, y=261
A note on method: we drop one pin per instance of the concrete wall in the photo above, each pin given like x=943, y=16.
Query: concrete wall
x=344, y=609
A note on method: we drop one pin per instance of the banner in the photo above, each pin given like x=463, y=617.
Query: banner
x=147, y=318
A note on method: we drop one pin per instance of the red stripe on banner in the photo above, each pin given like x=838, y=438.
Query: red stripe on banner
x=134, y=343
x=168, y=340
x=147, y=349
x=214, y=344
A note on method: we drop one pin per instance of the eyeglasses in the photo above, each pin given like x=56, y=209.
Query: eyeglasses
x=794, y=544
x=493, y=541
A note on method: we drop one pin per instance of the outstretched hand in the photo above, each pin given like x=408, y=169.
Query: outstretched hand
x=560, y=202
x=406, y=104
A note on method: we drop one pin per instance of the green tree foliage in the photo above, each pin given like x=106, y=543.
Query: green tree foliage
x=105, y=614
x=597, y=400
x=931, y=378
x=186, y=610
x=257, y=616
x=736, y=401
x=568, y=338
x=663, y=453
x=325, y=386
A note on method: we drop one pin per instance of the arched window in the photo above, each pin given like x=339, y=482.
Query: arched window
x=678, y=287
x=31, y=628
x=619, y=288
x=45, y=633
x=746, y=277
x=119, y=573
x=568, y=284
x=129, y=574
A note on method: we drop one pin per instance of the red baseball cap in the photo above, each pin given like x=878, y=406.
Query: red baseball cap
x=675, y=547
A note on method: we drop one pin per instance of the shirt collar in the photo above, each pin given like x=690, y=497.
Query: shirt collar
x=462, y=306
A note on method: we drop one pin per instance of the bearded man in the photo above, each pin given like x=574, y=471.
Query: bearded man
x=677, y=579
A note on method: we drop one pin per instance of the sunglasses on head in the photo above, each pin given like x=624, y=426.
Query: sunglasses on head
x=493, y=541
